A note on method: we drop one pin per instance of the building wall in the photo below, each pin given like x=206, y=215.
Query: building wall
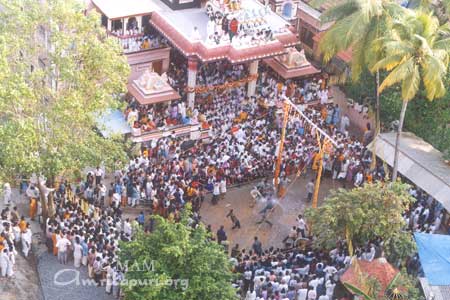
x=142, y=60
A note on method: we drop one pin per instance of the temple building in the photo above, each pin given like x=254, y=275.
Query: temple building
x=237, y=32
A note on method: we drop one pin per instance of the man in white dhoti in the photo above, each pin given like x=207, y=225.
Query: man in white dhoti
x=62, y=244
x=12, y=261
x=77, y=253
x=26, y=240
x=4, y=262
x=109, y=279
x=7, y=194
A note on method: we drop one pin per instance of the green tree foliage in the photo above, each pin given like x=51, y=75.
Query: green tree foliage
x=177, y=251
x=362, y=214
x=47, y=111
x=441, y=9
x=358, y=24
x=427, y=119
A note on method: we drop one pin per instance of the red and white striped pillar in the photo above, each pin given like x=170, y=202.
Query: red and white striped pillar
x=191, y=81
x=252, y=70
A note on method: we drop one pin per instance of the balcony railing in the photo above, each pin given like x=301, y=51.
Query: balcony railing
x=135, y=42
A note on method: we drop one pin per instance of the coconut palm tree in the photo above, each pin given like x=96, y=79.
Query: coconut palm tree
x=416, y=54
x=358, y=23
x=441, y=9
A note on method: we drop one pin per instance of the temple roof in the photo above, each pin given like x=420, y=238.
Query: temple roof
x=115, y=9
x=177, y=27
x=292, y=65
x=150, y=88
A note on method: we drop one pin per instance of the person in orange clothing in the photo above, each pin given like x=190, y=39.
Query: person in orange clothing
x=369, y=177
x=2, y=239
x=54, y=240
x=324, y=112
x=33, y=208
x=22, y=224
x=32, y=194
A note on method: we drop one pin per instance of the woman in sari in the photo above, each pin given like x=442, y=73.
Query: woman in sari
x=33, y=208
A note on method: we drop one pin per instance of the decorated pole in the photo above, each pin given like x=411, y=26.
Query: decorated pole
x=286, y=107
x=319, y=170
x=191, y=81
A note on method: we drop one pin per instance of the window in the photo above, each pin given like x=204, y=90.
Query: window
x=104, y=21
x=306, y=37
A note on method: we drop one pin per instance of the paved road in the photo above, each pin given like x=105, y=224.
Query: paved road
x=65, y=282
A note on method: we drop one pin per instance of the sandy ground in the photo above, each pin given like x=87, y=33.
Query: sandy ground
x=283, y=216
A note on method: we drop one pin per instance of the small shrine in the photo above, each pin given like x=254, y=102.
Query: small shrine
x=292, y=64
x=151, y=88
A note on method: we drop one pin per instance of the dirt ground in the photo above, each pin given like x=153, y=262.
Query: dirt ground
x=283, y=216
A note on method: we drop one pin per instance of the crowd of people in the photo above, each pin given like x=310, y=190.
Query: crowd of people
x=15, y=233
x=170, y=172
x=136, y=42
x=298, y=271
x=147, y=118
x=133, y=38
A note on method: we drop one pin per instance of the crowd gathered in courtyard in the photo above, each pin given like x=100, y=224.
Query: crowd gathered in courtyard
x=88, y=220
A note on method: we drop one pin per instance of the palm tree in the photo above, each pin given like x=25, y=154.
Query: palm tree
x=441, y=9
x=416, y=53
x=358, y=23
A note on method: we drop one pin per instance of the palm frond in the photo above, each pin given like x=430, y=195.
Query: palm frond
x=338, y=12
x=443, y=44
x=398, y=74
x=387, y=63
x=434, y=70
x=411, y=82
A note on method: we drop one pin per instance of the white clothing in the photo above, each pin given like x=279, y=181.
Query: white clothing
x=109, y=279
x=223, y=186
x=7, y=194
x=62, y=244
x=26, y=242
x=330, y=288
x=4, y=263
x=250, y=295
x=77, y=255
x=127, y=228
x=301, y=294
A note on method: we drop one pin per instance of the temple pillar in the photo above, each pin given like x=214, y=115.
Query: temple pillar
x=252, y=70
x=109, y=26
x=192, y=79
x=124, y=25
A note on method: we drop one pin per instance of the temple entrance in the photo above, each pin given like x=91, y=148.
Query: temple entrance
x=157, y=66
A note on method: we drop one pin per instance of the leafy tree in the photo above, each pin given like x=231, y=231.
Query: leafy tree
x=57, y=70
x=441, y=9
x=177, y=252
x=400, y=246
x=358, y=25
x=416, y=53
x=427, y=119
x=362, y=214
